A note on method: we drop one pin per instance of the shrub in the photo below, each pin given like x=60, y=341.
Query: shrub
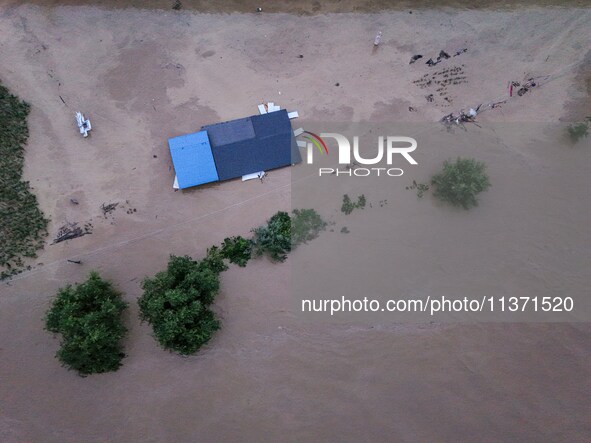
x=88, y=316
x=282, y=233
x=306, y=224
x=23, y=227
x=361, y=201
x=274, y=238
x=348, y=206
x=237, y=250
x=577, y=131
x=214, y=260
x=176, y=302
x=459, y=183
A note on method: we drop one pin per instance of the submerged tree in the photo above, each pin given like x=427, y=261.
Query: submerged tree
x=348, y=205
x=306, y=224
x=88, y=317
x=283, y=232
x=274, y=238
x=577, y=131
x=176, y=302
x=237, y=250
x=460, y=182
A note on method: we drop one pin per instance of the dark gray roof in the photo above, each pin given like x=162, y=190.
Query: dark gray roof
x=252, y=144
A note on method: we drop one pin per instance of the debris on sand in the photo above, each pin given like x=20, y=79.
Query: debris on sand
x=463, y=117
x=107, y=209
x=511, y=86
x=70, y=231
x=83, y=124
x=497, y=104
x=443, y=55
x=378, y=39
x=73, y=201
x=526, y=87
x=530, y=83
x=441, y=84
x=414, y=58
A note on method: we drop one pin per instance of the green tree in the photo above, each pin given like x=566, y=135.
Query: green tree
x=460, y=182
x=214, y=260
x=348, y=206
x=361, y=201
x=274, y=238
x=577, y=131
x=237, y=250
x=306, y=224
x=282, y=233
x=176, y=302
x=88, y=317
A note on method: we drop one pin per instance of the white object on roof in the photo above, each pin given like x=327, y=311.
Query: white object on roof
x=298, y=132
x=293, y=114
x=301, y=143
x=83, y=125
x=175, y=185
x=254, y=175
x=262, y=109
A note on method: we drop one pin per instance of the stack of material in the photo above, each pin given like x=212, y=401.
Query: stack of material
x=83, y=124
x=70, y=231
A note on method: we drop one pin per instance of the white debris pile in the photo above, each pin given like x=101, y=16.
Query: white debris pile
x=267, y=108
x=83, y=124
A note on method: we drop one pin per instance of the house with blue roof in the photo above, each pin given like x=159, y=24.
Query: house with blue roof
x=235, y=148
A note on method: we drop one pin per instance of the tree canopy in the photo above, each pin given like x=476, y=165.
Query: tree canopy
x=176, y=302
x=460, y=182
x=274, y=238
x=88, y=317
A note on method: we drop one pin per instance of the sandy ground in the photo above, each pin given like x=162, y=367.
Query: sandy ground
x=307, y=7
x=269, y=375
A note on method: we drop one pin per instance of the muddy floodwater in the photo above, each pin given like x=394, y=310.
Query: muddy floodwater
x=273, y=373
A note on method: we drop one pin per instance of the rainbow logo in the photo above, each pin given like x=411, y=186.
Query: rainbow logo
x=317, y=141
